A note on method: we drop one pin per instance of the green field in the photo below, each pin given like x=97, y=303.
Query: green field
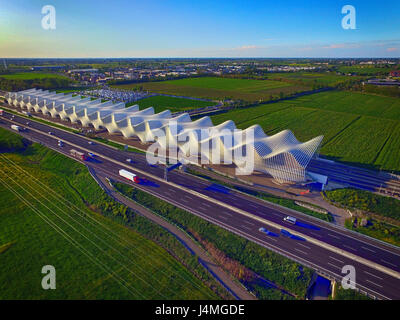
x=94, y=256
x=220, y=88
x=365, y=70
x=358, y=128
x=160, y=103
x=31, y=76
x=311, y=79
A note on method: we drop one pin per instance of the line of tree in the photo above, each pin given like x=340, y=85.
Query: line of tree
x=22, y=84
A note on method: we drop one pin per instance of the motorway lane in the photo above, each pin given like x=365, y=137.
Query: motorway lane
x=368, y=279
x=361, y=246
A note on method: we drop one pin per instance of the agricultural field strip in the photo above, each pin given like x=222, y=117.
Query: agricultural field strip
x=33, y=199
x=66, y=236
x=144, y=252
x=383, y=137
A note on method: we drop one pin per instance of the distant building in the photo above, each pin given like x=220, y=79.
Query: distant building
x=395, y=73
x=52, y=68
x=82, y=70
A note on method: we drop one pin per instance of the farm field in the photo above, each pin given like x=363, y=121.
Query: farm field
x=161, y=103
x=359, y=129
x=311, y=79
x=353, y=102
x=365, y=70
x=31, y=76
x=220, y=88
x=108, y=260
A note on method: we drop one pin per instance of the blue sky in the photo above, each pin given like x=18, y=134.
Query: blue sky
x=191, y=28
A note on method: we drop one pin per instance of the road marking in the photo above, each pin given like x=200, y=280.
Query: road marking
x=315, y=234
x=223, y=217
x=388, y=263
x=303, y=245
x=275, y=214
x=206, y=205
x=348, y=247
x=333, y=236
x=336, y=259
x=227, y=213
x=246, y=227
x=365, y=248
x=373, y=275
x=331, y=264
x=248, y=222
x=374, y=283
x=301, y=251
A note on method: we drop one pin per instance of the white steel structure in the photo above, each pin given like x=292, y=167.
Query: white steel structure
x=281, y=155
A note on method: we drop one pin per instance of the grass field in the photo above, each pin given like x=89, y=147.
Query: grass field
x=94, y=257
x=160, y=103
x=220, y=88
x=311, y=79
x=365, y=70
x=31, y=76
x=358, y=128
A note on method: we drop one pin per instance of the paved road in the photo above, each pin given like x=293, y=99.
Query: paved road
x=369, y=279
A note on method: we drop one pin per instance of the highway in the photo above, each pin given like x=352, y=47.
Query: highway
x=370, y=279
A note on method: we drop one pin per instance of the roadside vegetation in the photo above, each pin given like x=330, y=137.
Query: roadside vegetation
x=374, y=215
x=11, y=142
x=366, y=201
x=349, y=294
x=117, y=254
x=27, y=80
x=375, y=228
x=285, y=273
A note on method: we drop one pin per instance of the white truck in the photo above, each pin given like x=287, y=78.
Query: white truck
x=15, y=127
x=129, y=175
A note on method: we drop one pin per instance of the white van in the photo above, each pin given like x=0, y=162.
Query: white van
x=290, y=219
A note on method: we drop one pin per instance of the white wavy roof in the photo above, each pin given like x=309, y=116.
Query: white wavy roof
x=280, y=155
